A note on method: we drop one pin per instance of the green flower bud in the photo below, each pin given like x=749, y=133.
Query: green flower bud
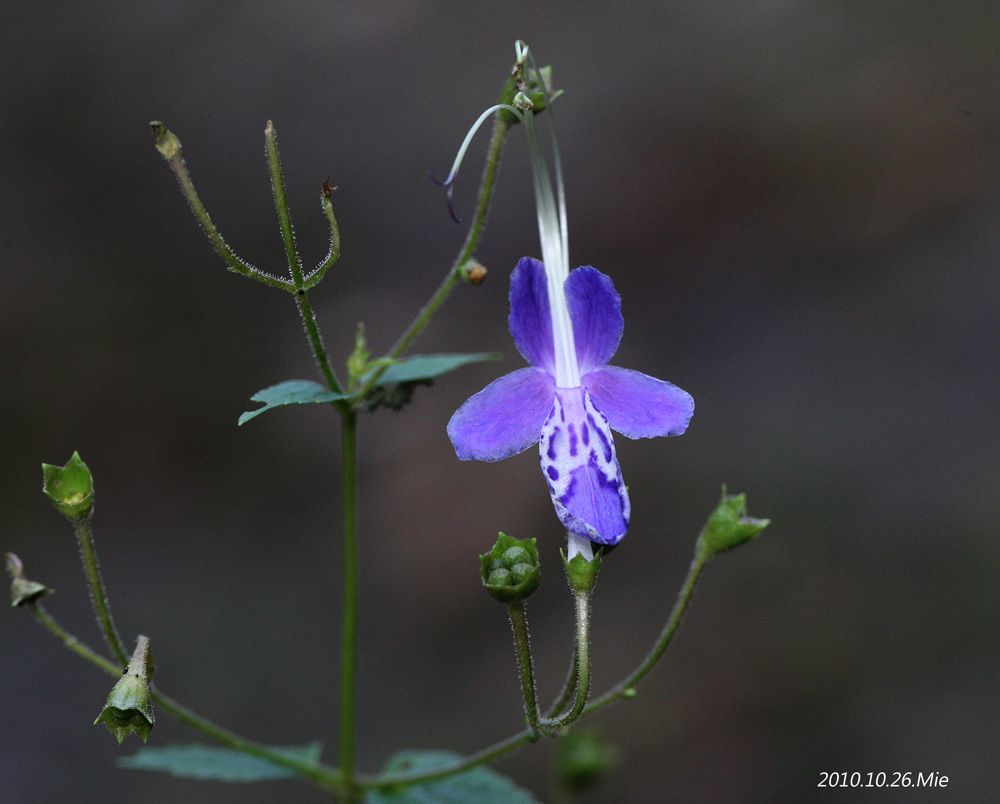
x=21, y=589
x=582, y=759
x=581, y=573
x=70, y=487
x=130, y=707
x=472, y=271
x=357, y=363
x=510, y=570
x=728, y=526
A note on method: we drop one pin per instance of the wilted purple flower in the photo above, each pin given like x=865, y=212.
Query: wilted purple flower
x=571, y=420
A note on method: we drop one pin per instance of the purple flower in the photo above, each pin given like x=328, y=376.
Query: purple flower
x=568, y=328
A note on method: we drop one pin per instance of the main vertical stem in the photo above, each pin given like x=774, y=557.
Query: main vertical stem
x=349, y=630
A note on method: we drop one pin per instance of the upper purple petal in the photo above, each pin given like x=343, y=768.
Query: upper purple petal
x=530, y=321
x=503, y=419
x=595, y=308
x=637, y=405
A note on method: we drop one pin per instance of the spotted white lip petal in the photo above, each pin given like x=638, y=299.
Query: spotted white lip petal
x=578, y=458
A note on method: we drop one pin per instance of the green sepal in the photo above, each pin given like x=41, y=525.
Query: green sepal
x=729, y=526
x=21, y=589
x=583, y=758
x=511, y=569
x=130, y=705
x=70, y=487
x=581, y=574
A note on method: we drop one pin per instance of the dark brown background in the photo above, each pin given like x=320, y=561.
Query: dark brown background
x=798, y=202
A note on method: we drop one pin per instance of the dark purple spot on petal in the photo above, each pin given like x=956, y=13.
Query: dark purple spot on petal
x=572, y=439
x=553, y=473
x=551, y=451
x=608, y=454
x=585, y=434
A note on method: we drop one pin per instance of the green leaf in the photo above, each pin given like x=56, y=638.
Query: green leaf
x=291, y=392
x=426, y=367
x=475, y=786
x=220, y=764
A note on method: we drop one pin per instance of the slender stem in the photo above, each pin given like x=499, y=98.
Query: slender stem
x=170, y=147
x=626, y=687
x=569, y=688
x=484, y=757
x=323, y=775
x=316, y=341
x=72, y=642
x=281, y=203
x=334, y=253
x=98, y=596
x=519, y=623
x=349, y=630
x=501, y=127
x=582, y=680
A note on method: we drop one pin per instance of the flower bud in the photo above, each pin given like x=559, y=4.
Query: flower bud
x=473, y=272
x=70, y=487
x=510, y=570
x=357, y=362
x=21, y=589
x=582, y=759
x=130, y=707
x=166, y=143
x=728, y=526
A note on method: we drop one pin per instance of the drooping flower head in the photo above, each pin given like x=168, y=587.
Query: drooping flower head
x=567, y=325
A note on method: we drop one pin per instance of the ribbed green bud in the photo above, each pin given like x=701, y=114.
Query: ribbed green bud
x=728, y=526
x=70, y=487
x=21, y=589
x=130, y=706
x=510, y=570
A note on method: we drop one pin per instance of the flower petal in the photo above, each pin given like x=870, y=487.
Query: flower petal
x=578, y=459
x=637, y=405
x=595, y=309
x=503, y=419
x=530, y=321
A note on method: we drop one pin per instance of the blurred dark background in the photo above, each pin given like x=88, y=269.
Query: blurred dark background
x=799, y=204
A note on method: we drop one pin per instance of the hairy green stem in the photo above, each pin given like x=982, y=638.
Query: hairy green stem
x=568, y=690
x=98, y=596
x=281, y=203
x=519, y=624
x=170, y=148
x=621, y=690
x=349, y=630
x=626, y=688
x=316, y=341
x=581, y=681
x=323, y=775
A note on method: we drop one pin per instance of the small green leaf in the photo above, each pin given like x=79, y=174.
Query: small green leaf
x=291, y=392
x=220, y=764
x=476, y=786
x=426, y=367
